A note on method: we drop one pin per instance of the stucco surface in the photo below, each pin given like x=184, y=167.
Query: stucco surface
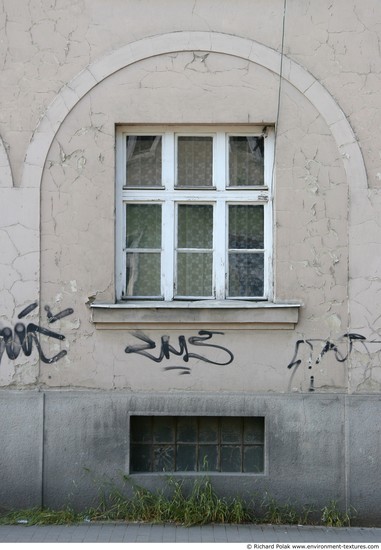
x=325, y=252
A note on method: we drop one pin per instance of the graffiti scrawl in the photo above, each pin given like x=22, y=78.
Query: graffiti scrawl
x=166, y=349
x=23, y=336
x=341, y=350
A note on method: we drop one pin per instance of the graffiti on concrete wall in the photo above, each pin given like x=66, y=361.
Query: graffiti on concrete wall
x=24, y=336
x=318, y=348
x=167, y=349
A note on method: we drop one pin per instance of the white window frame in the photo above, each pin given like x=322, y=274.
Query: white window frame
x=220, y=195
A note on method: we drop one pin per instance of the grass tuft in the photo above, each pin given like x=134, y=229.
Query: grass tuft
x=182, y=505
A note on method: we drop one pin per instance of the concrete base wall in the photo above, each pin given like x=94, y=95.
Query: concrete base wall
x=62, y=447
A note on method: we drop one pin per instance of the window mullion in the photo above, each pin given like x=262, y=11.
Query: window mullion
x=168, y=249
x=219, y=161
x=220, y=232
x=168, y=163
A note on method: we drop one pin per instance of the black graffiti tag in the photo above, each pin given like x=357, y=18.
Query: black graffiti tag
x=348, y=339
x=328, y=346
x=24, y=336
x=166, y=349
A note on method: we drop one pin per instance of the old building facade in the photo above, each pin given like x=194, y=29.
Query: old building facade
x=190, y=243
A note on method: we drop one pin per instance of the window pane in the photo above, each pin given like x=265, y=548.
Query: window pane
x=164, y=429
x=194, y=274
x=231, y=430
x=143, y=225
x=163, y=458
x=141, y=458
x=143, y=274
x=231, y=458
x=194, y=161
x=253, y=459
x=187, y=430
x=254, y=430
x=246, y=226
x=208, y=429
x=186, y=460
x=246, y=160
x=208, y=458
x=195, y=226
x=141, y=429
x=246, y=274
x=143, y=167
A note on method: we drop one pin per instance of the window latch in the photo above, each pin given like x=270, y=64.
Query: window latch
x=263, y=197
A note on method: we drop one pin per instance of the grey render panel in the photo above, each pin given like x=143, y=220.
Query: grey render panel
x=21, y=428
x=364, y=455
x=314, y=443
x=87, y=443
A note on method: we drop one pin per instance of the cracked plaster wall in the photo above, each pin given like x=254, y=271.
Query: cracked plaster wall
x=45, y=44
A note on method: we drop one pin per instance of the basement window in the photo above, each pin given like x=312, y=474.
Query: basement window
x=197, y=444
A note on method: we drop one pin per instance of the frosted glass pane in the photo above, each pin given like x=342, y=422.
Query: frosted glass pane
x=194, y=161
x=143, y=166
x=143, y=274
x=143, y=225
x=246, y=274
x=246, y=228
x=246, y=160
x=195, y=226
x=194, y=274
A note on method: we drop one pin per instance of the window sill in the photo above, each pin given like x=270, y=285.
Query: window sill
x=249, y=315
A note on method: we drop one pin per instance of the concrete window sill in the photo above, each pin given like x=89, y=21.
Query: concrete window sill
x=239, y=314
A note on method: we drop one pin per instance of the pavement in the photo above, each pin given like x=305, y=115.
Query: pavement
x=142, y=532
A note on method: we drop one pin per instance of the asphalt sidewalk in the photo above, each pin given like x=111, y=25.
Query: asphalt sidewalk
x=140, y=532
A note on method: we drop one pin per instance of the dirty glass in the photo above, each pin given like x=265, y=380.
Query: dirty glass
x=253, y=430
x=187, y=430
x=143, y=274
x=195, y=226
x=143, y=161
x=246, y=274
x=163, y=458
x=231, y=458
x=246, y=234
x=208, y=458
x=143, y=249
x=141, y=429
x=194, y=161
x=164, y=429
x=197, y=444
x=186, y=458
x=246, y=166
x=246, y=226
x=143, y=225
x=208, y=429
x=141, y=460
x=231, y=430
x=194, y=233
x=253, y=459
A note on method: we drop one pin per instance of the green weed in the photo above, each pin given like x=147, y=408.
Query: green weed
x=182, y=503
x=42, y=516
x=278, y=514
x=333, y=517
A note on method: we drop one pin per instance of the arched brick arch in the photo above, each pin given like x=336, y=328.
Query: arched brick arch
x=181, y=41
